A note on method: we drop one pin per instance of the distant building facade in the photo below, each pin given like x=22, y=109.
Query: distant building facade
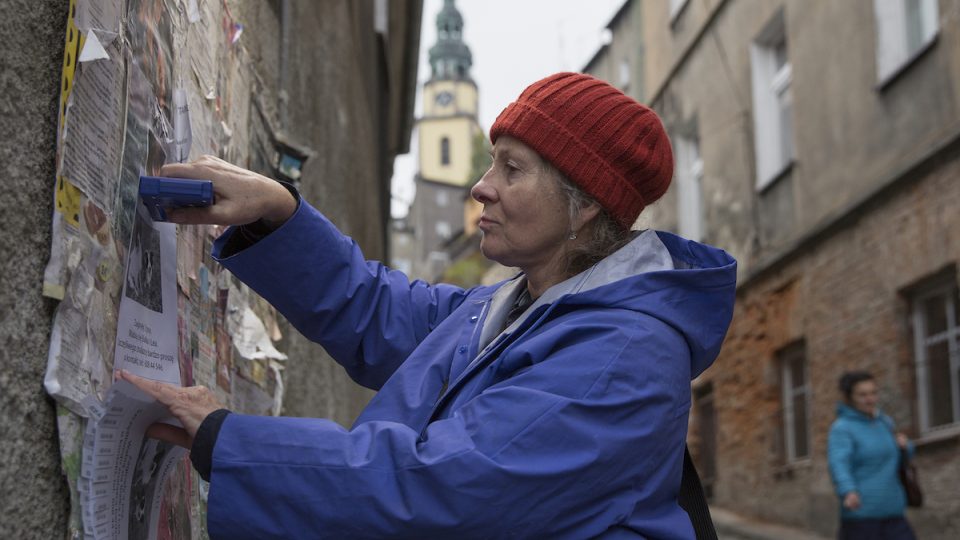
x=446, y=142
x=819, y=143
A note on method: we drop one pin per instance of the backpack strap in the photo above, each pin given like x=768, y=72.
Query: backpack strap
x=693, y=500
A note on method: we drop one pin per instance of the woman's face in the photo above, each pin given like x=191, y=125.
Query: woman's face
x=864, y=397
x=525, y=220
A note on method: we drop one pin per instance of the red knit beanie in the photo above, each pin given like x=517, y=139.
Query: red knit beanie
x=612, y=147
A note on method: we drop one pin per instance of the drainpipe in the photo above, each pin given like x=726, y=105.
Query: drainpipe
x=286, y=19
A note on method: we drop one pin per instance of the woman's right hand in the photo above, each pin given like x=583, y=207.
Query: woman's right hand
x=851, y=501
x=241, y=196
x=190, y=405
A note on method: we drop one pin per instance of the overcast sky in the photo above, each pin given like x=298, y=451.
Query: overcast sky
x=514, y=43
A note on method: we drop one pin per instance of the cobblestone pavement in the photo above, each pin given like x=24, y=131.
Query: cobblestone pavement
x=731, y=526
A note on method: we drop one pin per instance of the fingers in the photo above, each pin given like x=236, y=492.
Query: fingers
x=196, y=169
x=171, y=434
x=181, y=170
x=210, y=215
x=155, y=389
x=189, y=405
x=241, y=196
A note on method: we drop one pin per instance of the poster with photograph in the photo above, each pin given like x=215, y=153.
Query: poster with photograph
x=123, y=486
x=147, y=332
x=154, y=462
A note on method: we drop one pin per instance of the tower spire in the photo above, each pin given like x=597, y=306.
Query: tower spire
x=450, y=57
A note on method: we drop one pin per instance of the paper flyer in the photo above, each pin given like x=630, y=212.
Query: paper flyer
x=147, y=334
x=123, y=471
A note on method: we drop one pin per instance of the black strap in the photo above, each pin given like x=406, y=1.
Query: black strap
x=693, y=500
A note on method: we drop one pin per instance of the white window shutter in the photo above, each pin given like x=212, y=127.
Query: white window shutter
x=765, y=132
x=891, y=36
x=929, y=15
x=689, y=191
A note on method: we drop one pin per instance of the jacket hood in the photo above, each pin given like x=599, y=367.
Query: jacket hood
x=688, y=285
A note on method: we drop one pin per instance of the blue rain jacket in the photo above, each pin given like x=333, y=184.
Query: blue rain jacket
x=568, y=424
x=863, y=456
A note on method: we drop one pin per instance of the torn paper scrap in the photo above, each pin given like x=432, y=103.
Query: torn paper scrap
x=251, y=339
x=92, y=49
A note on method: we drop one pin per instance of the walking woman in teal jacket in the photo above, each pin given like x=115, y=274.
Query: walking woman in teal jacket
x=864, y=454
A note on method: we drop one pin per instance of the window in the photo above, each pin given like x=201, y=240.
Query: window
x=437, y=261
x=772, y=102
x=381, y=16
x=676, y=6
x=795, y=397
x=624, y=74
x=689, y=193
x=904, y=29
x=445, y=151
x=443, y=230
x=443, y=198
x=936, y=311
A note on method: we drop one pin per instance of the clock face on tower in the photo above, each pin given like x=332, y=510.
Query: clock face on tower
x=443, y=98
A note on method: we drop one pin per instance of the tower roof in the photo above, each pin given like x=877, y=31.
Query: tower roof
x=450, y=57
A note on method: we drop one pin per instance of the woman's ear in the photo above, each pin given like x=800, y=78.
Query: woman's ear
x=587, y=214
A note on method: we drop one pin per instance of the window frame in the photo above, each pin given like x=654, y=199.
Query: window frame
x=892, y=48
x=443, y=229
x=785, y=357
x=773, y=137
x=951, y=292
x=689, y=176
x=676, y=8
x=624, y=74
x=444, y=151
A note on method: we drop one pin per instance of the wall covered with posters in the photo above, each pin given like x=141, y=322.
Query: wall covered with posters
x=96, y=93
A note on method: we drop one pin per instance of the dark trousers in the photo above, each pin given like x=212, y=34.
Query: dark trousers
x=897, y=528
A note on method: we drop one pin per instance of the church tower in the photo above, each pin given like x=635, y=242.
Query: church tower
x=446, y=140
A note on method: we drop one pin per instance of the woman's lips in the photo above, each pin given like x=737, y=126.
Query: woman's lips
x=485, y=222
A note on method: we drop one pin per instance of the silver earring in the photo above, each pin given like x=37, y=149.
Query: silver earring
x=573, y=236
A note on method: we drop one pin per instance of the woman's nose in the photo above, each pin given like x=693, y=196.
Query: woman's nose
x=483, y=191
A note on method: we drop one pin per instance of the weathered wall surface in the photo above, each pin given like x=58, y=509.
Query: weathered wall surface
x=33, y=496
x=342, y=102
x=843, y=299
x=828, y=253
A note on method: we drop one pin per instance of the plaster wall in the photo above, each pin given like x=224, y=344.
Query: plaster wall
x=33, y=496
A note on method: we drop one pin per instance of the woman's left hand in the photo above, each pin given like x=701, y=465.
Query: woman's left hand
x=190, y=405
x=902, y=440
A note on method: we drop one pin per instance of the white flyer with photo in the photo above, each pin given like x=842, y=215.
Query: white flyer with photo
x=147, y=340
x=121, y=485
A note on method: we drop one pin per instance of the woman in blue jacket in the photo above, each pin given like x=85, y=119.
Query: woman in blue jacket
x=864, y=455
x=551, y=405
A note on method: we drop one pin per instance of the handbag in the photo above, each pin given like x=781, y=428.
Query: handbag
x=908, y=477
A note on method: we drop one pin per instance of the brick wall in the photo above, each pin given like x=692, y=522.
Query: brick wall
x=843, y=297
